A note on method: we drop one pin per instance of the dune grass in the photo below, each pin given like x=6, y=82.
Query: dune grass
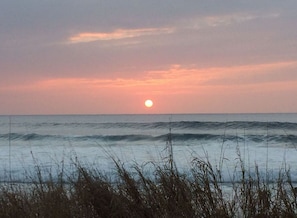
x=165, y=192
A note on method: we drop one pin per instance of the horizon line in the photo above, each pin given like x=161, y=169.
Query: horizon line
x=141, y=114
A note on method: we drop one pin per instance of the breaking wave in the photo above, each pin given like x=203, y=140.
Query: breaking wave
x=282, y=138
x=179, y=125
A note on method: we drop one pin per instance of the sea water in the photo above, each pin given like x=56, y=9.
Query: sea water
x=228, y=141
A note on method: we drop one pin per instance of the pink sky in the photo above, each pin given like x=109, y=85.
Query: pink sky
x=89, y=58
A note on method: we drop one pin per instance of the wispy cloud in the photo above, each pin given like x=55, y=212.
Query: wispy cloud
x=225, y=20
x=181, y=77
x=117, y=34
x=189, y=23
x=277, y=72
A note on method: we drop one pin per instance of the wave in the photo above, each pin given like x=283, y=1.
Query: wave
x=29, y=137
x=176, y=125
x=226, y=125
x=178, y=137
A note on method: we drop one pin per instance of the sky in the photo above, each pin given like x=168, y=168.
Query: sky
x=108, y=57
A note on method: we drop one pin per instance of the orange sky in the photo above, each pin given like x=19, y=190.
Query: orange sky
x=228, y=59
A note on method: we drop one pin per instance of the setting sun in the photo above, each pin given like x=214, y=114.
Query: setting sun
x=148, y=103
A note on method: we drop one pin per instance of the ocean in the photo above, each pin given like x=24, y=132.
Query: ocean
x=51, y=143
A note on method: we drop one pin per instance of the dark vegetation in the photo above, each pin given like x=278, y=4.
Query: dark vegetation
x=165, y=193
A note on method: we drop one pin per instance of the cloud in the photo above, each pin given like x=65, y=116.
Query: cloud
x=117, y=34
x=177, y=77
x=277, y=72
x=225, y=20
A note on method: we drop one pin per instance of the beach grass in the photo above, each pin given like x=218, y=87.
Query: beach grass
x=165, y=192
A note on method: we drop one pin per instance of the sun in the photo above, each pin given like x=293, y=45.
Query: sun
x=148, y=103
